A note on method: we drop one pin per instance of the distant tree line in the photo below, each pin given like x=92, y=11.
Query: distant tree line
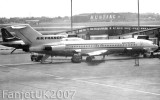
x=87, y=17
x=24, y=19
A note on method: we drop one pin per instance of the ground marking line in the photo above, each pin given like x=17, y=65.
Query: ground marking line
x=59, y=77
x=7, y=65
x=105, y=85
x=82, y=78
x=93, y=83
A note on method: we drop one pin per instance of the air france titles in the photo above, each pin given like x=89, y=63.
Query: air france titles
x=49, y=38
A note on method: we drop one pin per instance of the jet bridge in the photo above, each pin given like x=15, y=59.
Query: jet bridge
x=118, y=32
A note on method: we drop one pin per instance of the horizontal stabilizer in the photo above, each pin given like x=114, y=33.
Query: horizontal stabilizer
x=18, y=26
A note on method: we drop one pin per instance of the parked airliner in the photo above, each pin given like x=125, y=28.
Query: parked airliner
x=77, y=47
x=12, y=41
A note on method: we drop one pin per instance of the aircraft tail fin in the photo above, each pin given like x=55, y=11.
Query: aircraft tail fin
x=26, y=33
x=7, y=36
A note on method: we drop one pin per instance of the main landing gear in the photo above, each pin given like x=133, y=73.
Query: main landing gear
x=76, y=58
x=90, y=58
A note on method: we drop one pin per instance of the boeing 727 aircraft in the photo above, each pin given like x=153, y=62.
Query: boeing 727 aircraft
x=77, y=47
x=12, y=41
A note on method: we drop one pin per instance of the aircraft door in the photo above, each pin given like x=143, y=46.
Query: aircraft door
x=141, y=43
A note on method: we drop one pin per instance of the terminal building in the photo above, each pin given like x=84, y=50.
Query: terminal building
x=117, y=32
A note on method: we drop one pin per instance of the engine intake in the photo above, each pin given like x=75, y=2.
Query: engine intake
x=48, y=48
x=55, y=48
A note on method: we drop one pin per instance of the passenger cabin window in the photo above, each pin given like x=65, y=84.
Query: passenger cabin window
x=72, y=39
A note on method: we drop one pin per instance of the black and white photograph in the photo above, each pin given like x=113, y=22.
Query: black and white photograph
x=79, y=50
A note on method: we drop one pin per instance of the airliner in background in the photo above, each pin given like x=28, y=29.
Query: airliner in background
x=77, y=47
x=12, y=41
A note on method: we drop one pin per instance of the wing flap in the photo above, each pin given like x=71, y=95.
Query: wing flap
x=96, y=53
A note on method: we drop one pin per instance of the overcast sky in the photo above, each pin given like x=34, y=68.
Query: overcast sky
x=54, y=8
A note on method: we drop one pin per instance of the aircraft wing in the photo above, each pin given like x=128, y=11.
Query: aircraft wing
x=96, y=53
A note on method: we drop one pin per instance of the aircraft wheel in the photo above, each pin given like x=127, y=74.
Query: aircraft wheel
x=76, y=58
x=89, y=59
x=36, y=60
x=31, y=59
x=144, y=55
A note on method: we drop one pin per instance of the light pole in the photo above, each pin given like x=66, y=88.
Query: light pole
x=71, y=17
x=138, y=17
x=136, y=57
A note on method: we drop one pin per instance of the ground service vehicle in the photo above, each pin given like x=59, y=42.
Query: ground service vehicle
x=36, y=57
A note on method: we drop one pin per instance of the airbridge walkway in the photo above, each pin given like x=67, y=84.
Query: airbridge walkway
x=119, y=31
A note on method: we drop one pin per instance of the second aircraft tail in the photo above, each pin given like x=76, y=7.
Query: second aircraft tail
x=7, y=36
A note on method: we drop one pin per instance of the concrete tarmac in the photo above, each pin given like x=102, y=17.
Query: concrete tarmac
x=115, y=78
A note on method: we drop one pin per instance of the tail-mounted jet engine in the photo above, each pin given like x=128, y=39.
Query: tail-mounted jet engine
x=47, y=48
x=55, y=48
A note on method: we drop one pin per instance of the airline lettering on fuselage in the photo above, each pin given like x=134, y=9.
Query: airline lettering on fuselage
x=49, y=38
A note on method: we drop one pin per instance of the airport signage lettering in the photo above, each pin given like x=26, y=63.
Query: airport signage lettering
x=102, y=17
